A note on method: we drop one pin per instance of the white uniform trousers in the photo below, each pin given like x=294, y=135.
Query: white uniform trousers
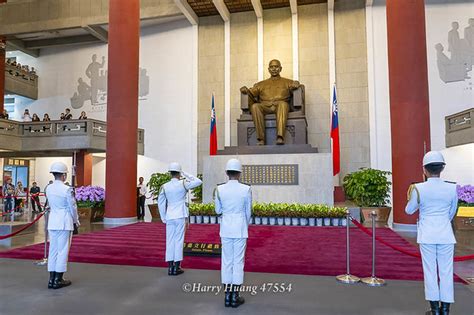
x=59, y=243
x=438, y=259
x=233, y=260
x=175, y=239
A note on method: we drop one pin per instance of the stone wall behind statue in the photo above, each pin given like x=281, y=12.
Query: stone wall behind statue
x=351, y=65
x=352, y=84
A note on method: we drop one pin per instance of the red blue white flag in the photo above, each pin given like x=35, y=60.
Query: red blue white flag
x=336, y=154
x=213, y=137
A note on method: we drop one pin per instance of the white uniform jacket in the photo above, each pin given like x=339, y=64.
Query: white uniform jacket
x=437, y=202
x=234, y=201
x=172, y=197
x=63, y=213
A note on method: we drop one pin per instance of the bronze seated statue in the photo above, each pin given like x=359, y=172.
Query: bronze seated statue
x=272, y=111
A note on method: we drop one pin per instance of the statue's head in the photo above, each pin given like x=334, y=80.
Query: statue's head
x=439, y=47
x=274, y=67
x=455, y=25
x=94, y=57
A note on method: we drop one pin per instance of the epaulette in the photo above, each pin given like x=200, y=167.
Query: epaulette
x=220, y=184
x=246, y=184
x=449, y=182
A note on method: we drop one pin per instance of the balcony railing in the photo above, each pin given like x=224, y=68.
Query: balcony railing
x=61, y=135
x=21, y=82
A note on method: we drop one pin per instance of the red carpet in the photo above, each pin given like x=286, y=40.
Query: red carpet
x=274, y=249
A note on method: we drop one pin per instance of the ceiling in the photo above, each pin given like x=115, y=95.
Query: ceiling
x=207, y=7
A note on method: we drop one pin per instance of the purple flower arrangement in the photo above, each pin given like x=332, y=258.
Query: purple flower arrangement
x=90, y=196
x=466, y=195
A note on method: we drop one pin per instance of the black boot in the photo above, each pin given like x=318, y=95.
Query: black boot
x=170, y=268
x=434, y=308
x=177, y=269
x=52, y=275
x=445, y=308
x=236, y=299
x=228, y=295
x=59, y=282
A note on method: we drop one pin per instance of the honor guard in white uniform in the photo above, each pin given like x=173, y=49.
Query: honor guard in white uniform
x=233, y=201
x=437, y=202
x=62, y=220
x=174, y=212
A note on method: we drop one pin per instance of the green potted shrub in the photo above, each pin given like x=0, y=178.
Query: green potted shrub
x=370, y=190
x=257, y=214
x=154, y=185
x=325, y=215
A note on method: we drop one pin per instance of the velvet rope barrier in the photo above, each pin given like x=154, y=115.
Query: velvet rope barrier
x=22, y=229
x=401, y=249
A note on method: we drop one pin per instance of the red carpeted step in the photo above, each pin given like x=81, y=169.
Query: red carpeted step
x=273, y=249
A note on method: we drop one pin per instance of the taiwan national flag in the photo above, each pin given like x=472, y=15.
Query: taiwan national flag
x=213, y=138
x=336, y=157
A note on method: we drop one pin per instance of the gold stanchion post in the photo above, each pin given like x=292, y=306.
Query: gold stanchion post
x=373, y=281
x=347, y=278
x=44, y=261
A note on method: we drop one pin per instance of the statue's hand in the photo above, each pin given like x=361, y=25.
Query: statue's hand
x=244, y=90
x=295, y=85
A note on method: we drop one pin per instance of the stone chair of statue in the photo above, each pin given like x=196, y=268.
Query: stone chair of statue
x=296, y=126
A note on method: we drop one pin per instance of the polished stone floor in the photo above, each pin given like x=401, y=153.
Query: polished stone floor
x=105, y=289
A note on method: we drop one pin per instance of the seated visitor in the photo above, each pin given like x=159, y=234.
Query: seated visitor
x=26, y=116
x=35, y=117
x=62, y=117
x=83, y=115
x=4, y=115
x=67, y=115
x=46, y=117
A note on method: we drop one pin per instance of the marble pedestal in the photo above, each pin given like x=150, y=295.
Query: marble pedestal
x=315, y=180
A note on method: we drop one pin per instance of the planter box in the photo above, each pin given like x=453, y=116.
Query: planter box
x=272, y=221
x=335, y=221
x=319, y=221
x=327, y=221
x=280, y=221
x=303, y=221
x=382, y=214
x=312, y=221
x=155, y=214
x=264, y=220
x=464, y=219
x=295, y=221
x=192, y=219
x=258, y=220
x=91, y=214
x=212, y=219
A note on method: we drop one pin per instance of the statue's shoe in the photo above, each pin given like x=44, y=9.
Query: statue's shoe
x=280, y=141
x=261, y=142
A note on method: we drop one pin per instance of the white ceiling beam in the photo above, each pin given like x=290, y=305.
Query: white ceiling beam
x=369, y=3
x=222, y=8
x=257, y=7
x=188, y=12
x=330, y=4
x=98, y=32
x=294, y=6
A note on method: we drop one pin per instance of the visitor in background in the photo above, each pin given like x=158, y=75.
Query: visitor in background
x=62, y=117
x=46, y=117
x=437, y=203
x=67, y=115
x=20, y=197
x=34, y=196
x=141, y=199
x=8, y=193
x=4, y=114
x=26, y=116
x=233, y=201
x=83, y=115
x=35, y=118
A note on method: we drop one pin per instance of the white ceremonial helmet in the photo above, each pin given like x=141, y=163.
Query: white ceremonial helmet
x=58, y=167
x=234, y=165
x=433, y=157
x=174, y=167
